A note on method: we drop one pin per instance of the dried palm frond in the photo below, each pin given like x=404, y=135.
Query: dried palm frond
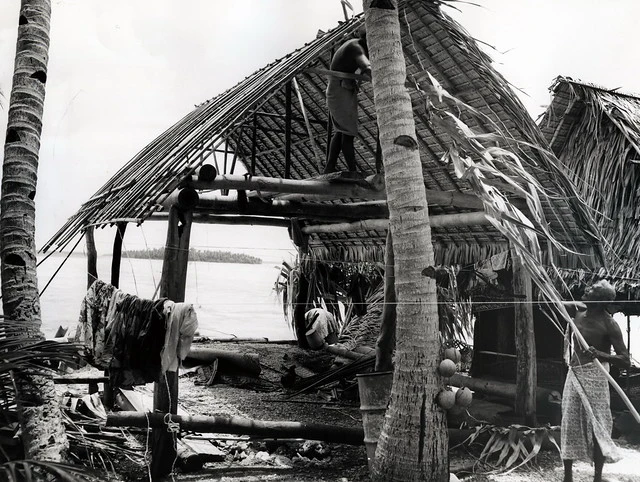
x=456, y=316
x=20, y=353
x=509, y=445
x=33, y=470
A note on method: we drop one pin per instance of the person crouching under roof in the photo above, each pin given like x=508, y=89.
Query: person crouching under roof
x=321, y=328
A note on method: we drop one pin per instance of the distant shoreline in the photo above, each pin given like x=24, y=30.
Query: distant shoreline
x=198, y=255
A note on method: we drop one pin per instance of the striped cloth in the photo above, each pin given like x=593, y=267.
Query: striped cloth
x=586, y=413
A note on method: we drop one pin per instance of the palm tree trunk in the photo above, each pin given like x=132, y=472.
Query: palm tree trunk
x=43, y=432
x=413, y=444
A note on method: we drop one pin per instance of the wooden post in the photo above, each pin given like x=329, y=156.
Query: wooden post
x=287, y=138
x=117, y=254
x=92, y=256
x=526, y=377
x=172, y=286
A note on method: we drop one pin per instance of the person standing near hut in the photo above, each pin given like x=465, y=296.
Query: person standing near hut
x=586, y=412
x=342, y=100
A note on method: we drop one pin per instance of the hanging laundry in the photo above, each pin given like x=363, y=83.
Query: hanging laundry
x=93, y=319
x=182, y=324
x=136, y=339
x=103, y=352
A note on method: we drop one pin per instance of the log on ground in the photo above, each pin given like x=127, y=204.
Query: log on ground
x=231, y=361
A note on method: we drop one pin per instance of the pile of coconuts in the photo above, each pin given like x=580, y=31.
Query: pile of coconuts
x=447, y=398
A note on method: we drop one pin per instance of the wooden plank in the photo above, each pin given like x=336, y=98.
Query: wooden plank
x=526, y=374
x=92, y=256
x=117, y=254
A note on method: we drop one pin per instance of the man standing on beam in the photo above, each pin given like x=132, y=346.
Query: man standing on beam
x=342, y=100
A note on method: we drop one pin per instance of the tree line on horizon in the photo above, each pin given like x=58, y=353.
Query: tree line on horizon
x=199, y=255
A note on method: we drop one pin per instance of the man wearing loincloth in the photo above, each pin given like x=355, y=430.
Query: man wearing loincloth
x=586, y=413
x=342, y=100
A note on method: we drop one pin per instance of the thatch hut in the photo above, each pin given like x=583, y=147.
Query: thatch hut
x=267, y=135
x=595, y=133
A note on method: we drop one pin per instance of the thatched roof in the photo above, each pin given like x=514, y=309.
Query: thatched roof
x=432, y=41
x=595, y=133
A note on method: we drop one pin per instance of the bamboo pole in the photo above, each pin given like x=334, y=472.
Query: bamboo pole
x=308, y=125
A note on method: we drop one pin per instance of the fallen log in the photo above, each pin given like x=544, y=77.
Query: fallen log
x=545, y=398
x=270, y=429
x=239, y=425
x=244, y=363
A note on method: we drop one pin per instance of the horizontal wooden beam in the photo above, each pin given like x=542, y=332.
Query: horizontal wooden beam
x=206, y=218
x=439, y=221
x=324, y=190
x=216, y=204
x=371, y=187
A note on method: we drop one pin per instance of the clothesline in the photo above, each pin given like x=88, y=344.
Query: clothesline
x=135, y=339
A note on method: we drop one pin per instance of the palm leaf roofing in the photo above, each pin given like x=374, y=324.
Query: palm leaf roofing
x=432, y=42
x=595, y=133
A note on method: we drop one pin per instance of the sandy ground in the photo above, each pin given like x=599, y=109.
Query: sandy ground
x=294, y=461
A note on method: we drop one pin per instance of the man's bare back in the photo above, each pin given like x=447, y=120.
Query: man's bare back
x=350, y=57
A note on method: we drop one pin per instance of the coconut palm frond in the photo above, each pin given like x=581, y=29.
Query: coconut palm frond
x=33, y=470
x=509, y=448
x=456, y=316
x=22, y=352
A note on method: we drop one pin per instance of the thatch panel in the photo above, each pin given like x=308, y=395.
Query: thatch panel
x=596, y=135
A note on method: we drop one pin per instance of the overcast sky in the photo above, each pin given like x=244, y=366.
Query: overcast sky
x=122, y=71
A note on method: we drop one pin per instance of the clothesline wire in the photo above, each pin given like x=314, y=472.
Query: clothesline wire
x=148, y=256
x=61, y=265
x=133, y=274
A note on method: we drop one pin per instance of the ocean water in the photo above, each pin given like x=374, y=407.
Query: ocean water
x=230, y=299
